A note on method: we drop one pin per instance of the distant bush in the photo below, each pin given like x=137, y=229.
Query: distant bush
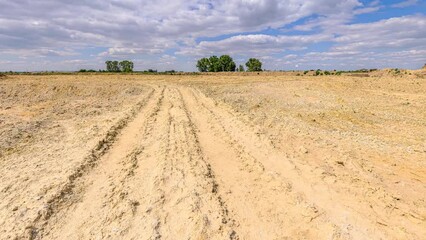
x=305, y=72
x=86, y=70
x=327, y=73
x=317, y=72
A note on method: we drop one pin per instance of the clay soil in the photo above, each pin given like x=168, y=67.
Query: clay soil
x=218, y=156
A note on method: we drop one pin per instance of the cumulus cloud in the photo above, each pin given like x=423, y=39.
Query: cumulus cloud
x=394, y=33
x=146, y=23
x=166, y=32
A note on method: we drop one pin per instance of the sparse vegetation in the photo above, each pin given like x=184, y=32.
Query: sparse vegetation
x=170, y=72
x=86, y=70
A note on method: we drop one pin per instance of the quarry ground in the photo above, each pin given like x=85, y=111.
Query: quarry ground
x=216, y=156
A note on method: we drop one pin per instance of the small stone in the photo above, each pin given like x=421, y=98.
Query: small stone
x=304, y=150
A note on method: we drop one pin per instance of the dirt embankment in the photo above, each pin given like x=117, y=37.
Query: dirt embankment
x=214, y=157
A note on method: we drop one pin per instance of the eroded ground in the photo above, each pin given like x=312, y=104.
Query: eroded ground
x=266, y=156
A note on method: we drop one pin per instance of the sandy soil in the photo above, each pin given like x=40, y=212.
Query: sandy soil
x=222, y=156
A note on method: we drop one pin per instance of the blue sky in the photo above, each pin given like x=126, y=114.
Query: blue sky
x=293, y=34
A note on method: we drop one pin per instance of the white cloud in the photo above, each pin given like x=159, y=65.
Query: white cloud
x=405, y=3
x=394, y=33
x=146, y=23
x=256, y=44
x=121, y=51
x=148, y=29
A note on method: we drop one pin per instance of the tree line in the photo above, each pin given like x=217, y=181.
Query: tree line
x=225, y=63
x=116, y=66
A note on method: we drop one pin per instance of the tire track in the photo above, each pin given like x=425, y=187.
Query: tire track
x=268, y=168
x=162, y=189
x=73, y=190
x=379, y=217
x=184, y=203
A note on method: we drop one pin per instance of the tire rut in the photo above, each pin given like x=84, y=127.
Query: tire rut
x=271, y=168
x=72, y=191
x=155, y=186
x=184, y=187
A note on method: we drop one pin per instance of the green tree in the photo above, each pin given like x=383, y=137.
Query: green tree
x=203, y=65
x=254, y=65
x=227, y=64
x=108, y=66
x=241, y=68
x=115, y=66
x=214, y=64
x=126, y=66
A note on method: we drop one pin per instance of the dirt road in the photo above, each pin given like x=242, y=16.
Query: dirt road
x=183, y=164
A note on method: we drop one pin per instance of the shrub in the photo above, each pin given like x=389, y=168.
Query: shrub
x=317, y=72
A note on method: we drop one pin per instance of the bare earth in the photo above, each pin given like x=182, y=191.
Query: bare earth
x=268, y=156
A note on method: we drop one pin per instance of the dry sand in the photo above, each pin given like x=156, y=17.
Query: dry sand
x=218, y=156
